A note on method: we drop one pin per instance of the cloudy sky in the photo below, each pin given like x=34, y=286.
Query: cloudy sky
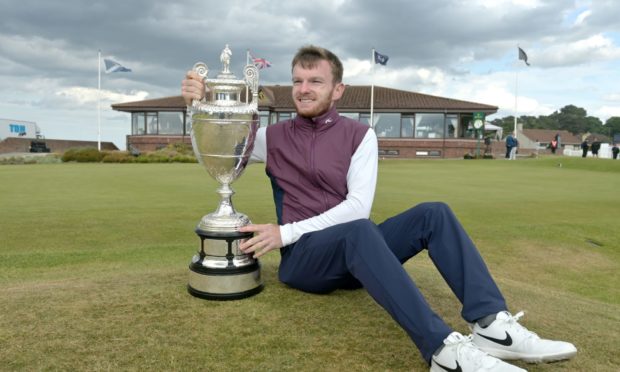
x=459, y=49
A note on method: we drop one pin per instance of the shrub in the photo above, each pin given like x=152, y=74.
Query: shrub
x=30, y=159
x=180, y=148
x=83, y=155
x=174, y=152
x=183, y=159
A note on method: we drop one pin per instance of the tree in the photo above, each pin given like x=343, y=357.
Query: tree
x=572, y=119
x=612, y=126
x=594, y=125
x=507, y=124
x=547, y=122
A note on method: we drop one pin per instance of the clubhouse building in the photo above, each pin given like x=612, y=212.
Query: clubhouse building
x=407, y=124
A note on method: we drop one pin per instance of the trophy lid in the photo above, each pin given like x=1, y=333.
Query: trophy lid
x=225, y=90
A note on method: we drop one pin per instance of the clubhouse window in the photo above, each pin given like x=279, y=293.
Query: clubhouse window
x=429, y=125
x=138, y=125
x=157, y=123
x=406, y=126
x=151, y=123
x=387, y=125
x=351, y=115
x=170, y=123
x=263, y=116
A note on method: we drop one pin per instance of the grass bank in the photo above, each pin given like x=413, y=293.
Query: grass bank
x=93, y=268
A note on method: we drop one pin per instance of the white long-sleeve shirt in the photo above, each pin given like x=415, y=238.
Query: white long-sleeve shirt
x=361, y=184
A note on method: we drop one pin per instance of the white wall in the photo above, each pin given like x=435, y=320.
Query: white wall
x=18, y=128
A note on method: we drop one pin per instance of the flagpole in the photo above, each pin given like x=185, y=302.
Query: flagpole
x=372, y=87
x=516, y=94
x=99, y=101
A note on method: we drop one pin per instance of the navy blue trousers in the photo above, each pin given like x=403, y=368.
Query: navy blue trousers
x=360, y=253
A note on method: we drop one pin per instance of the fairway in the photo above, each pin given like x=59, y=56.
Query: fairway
x=94, y=265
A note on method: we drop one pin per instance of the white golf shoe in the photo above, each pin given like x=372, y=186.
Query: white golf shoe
x=506, y=339
x=459, y=354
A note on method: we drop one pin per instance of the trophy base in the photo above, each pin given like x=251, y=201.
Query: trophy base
x=225, y=225
x=235, y=295
x=228, y=282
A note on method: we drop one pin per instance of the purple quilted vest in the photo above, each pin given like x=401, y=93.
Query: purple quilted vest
x=308, y=161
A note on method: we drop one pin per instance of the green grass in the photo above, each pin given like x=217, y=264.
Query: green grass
x=93, y=268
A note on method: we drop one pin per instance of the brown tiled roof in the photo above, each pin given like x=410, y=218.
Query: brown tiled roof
x=357, y=98
x=546, y=135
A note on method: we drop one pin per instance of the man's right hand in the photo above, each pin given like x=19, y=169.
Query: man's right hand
x=192, y=87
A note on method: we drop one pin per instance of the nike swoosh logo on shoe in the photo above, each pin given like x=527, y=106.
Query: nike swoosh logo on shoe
x=506, y=341
x=457, y=369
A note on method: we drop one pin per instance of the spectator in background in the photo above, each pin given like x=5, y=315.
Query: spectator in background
x=596, y=145
x=614, y=151
x=584, y=148
x=487, y=144
x=515, y=148
x=511, y=143
x=553, y=145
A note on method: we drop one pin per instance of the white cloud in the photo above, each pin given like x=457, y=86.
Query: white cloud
x=595, y=48
x=38, y=52
x=605, y=112
x=498, y=90
x=354, y=68
x=582, y=17
x=495, y=89
x=87, y=96
x=612, y=97
x=358, y=72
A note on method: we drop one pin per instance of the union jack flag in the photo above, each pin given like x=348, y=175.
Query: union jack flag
x=261, y=63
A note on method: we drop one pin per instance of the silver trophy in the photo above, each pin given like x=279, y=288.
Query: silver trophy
x=223, y=133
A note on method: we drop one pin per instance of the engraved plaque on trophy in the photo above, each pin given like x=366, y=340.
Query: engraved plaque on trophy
x=223, y=133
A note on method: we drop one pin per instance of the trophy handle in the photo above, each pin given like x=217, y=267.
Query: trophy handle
x=250, y=73
x=202, y=70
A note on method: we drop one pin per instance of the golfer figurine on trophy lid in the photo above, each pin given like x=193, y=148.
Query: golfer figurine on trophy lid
x=223, y=133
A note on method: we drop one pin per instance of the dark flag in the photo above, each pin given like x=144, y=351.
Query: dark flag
x=381, y=58
x=523, y=56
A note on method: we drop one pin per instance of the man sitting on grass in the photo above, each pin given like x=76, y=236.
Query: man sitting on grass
x=323, y=170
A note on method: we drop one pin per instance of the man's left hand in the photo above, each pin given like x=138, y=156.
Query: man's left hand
x=266, y=238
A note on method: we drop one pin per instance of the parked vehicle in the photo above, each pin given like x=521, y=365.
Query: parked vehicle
x=38, y=144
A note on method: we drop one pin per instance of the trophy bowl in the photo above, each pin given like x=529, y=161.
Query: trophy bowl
x=223, y=133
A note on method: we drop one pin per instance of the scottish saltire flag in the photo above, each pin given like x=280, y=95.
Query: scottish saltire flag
x=261, y=63
x=113, y=66
x=523, y=56
x=381, y=58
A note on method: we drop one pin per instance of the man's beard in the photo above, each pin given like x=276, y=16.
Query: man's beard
x=319, y=107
